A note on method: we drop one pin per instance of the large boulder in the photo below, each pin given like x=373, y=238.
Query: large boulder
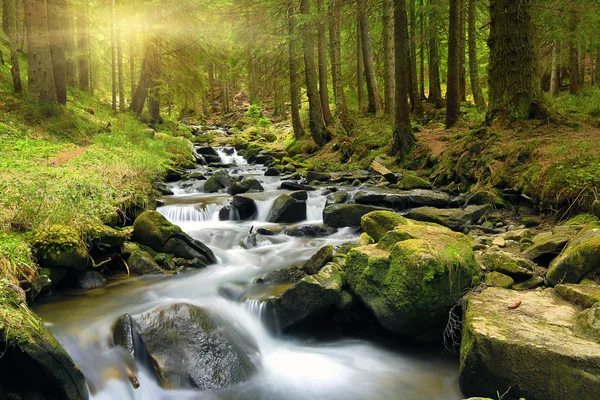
x=309, y=297
x=341, y=215
x=454, y=218
x=318, y=260
x=244, y=207
x=204, y=355
x=579, y=258
x=413, y=276
x=378, y=223
x=507, y=263
x=60, y=246
x=311, y=230
x=155, y=231
x=33, y=363
x=584, y=296
x=246, y=185
x=219, y=180
x=286, y=209
x=532, y=350
x=547, y=245
x=402, y=200
x=139, y=261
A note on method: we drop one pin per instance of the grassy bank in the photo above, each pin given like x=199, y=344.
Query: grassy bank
x=77, y=165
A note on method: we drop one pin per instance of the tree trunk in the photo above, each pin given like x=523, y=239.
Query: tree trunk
x=113, y=55
x=322, y=43
x=453, y=81
x=513, y=70
x=555, y=75
x=293, y=65
x=40, y=74
x=20, y=35
x=342, y=119
x=422, y=50
x=11, y=31
x=597, y=69
x=5, y=14
x=132, y=67
x=415, y=98
x=435, y=89
x=573, y=56
x=83, y=47
x=315, y=110
x=473, y=61
x=211, y=81
x=372, y=87
x=56, y=11
x=404, y=138
x=389, y=90
x=359, y=68
x=141, y=91
x=582, y=57
x=462, y=46
x=69, y=44
x=120, y=56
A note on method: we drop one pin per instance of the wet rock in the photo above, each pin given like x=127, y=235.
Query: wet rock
x=244, y=186
x=579, y=258
x=270, y=231
x=141, y=262
x=377, y=223
x=346, y=301
x=296, y=186
x=245, y=206
x=199, y=176
x=311, y=230
x=402, y=200
x=183, y=246
x=105, y=236
x=318, y=260
x=532, y=350
x=32, y=359
x=219, y=180
x=89, y=279
x=497, y=279
x=312, y=176
x=411, y=181
x=204, y=355
x=336, y=198
x=177, y=263
x=123, y=334
x=584, y=296
x=228, y=213
x=341, y=215
x=174, y=174
x=272, y=171
x=207, y=150
x=163, y=189
x=507, y=263
x=60, y=246
x=548, y=245
x=412, y=277
x=299, y=195
x=289, y=274
x=233, y=291
x=309, y=297
x=454, y=218
x=286, y=209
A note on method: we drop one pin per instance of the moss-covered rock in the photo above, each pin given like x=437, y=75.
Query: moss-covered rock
x=497, y=279
x=411, y=181
x=581, y=256
x=377, y=223
x=507, y=263
x=454, y=218
x=531, y=349
x=413, y=276
x=153, y=230
x=584, y=296
x=588, y=323
x=550, y=244
x=287, y=209
x=529, y=284
x=60, y=246
x=32, y=359
x=318, y=260
x=341, y=215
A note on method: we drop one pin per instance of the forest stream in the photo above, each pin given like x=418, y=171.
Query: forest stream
x=287, y=366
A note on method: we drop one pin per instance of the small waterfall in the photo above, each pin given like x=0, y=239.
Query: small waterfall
x=314, y=207
x=230, y=156
x=263, y=207
x=178, y=214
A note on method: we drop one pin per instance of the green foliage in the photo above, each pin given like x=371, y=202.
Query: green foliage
x=254, y=111
x=16, y=261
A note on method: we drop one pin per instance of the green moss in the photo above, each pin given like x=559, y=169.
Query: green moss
x=581, y=219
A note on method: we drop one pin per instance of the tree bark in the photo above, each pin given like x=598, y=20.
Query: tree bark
x=56, y=11
x=315, y=110
x=515, y=91
x=573, y=55
x=211, y=81
x=359, y=68
x=40, y=74
x=132, y=67
x=69, y=44
x=473, y=61
x=293, y=66
x=11, y=31
x=404, y=138
x=372, y=88
x=389, y=89
x=113, y=55
x=141, y=91
x=342, y=119
x=435, y=89
x=415, y=98
x=120, y=56
x=462, y=45
x=422, y=50
x=83, y=47
x=555, y=75
x=453, y=81
x=322, y=43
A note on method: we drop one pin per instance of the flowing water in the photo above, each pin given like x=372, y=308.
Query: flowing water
x=289, y=367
